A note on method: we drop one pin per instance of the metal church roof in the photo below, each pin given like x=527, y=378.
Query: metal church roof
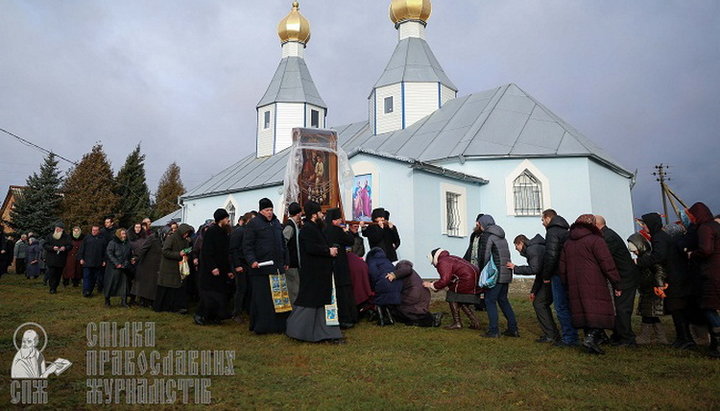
x=504, y=122
x=413, y=61
x=292, y=83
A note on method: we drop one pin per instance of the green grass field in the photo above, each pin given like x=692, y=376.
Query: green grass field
x=394, y=367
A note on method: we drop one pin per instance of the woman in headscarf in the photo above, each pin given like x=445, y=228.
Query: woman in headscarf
x=651, y=287
x=73, y=269
x=586, y=266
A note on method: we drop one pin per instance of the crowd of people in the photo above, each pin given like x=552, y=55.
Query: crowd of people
x=311, y=277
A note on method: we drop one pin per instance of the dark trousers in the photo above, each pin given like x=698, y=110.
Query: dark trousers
x=54, y=274
x=498, y=295
x=542, y=305
x=242, y=294
x=90, y=277
x=623, y=314
x=20, y=266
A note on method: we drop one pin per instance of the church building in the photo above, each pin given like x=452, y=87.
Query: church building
x=431, y=155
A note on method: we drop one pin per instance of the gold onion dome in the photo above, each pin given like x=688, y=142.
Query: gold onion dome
x=294, y=27
x=405, y=10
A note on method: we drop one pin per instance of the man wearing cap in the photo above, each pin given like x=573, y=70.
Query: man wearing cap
x=290, y=233
x=215, y=274
x=263, y=242
x=342, y=239
x=383, y=234
x=56, y=247
x=308, y=321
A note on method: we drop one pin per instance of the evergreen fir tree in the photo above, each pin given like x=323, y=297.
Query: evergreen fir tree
x=38, y=207
x=88, y=190
x=169, y=189
x=132, y=190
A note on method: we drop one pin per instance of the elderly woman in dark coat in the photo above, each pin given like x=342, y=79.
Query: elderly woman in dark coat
x=147, y=269
x=461, y=279
x=33, y=258
x=414, y=308
x=119, y=258
x=708, y=255
x=73, y=269
x=586, y=266
x=387, y=292
x=651, y=286
x=171, y=292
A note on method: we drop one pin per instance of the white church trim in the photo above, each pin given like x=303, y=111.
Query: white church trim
x=510, y=179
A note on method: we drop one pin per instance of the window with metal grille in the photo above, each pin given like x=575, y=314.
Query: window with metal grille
x=452, y=204
x=388, y=105
x=266, y=123
x=314, y=118
x=231, y=210
x=527, y=190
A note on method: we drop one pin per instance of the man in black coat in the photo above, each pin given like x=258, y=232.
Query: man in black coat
x=342, y=240
x=56, y=246
x=666, y=253
x=383, y=234
x=623, y=334
x=263, y=242
x=557, y=231
x=540, y=293
x=92, y=260
x=308, y=320
x=290, y=233
x=215, y=275
x=240, y=269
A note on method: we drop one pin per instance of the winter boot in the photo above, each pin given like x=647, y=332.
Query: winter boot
x=455, y=313
x=381, y=317
x=683, y=338
x=592, y=341
x=700, y=334
x=714, y=340
x=124, y=302
x=437, y=319
x=646, y=335
x=107, y=301
x=388, y=315
x=660, y=336
x=474, y=322
x=132, y=300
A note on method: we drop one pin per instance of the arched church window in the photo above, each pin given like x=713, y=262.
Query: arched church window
x=527, y=190
x=453, y=217
x=231, y=210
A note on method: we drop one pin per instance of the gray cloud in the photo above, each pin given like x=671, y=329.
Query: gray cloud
x=638, y=78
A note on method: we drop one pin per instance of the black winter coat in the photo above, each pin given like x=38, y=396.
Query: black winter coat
x=533, y=252
x=337, y=237
x=555, y=235
x=386, y=238
x=92, y=251
x=263, y=241
x=215, y=254
x=666, y=253
x=290, y=232
x=237, y=257
x=57, y=258
x=317, y=266
x=623, y=261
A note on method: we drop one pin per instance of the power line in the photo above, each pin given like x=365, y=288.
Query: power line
x=75, y=163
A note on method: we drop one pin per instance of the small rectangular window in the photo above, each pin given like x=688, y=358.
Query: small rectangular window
x=266, y=122
x=314, y=118
x=452, y=202
x=388, y=105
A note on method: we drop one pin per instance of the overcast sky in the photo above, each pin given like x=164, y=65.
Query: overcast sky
x=639, y=78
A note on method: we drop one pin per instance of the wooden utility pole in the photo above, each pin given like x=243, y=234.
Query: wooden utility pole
x=660, y=176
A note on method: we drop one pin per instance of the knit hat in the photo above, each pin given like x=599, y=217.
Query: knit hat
x=265, y=203
x=333, y=214
x=586, y=219
x=311, y=208
x=486, y=220
x=434, y=254
x=59, y=224
x=477, y=219
x=294, y=209
x=220, y=214
x=378, y=212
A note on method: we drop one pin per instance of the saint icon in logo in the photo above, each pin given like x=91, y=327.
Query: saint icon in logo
x=29, y=361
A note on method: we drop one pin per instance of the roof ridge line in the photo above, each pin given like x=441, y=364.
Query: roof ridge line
x=446, y=123
x=485, y=119
x=527, y=120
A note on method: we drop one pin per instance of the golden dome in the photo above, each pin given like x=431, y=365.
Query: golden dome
x=403, y=10
x=294, y=27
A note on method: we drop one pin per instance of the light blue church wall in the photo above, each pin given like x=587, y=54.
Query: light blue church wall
x=611, y=198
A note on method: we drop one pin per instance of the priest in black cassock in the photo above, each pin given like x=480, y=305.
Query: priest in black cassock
x=343, y=240
x=215, y=274
x=308, y=320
